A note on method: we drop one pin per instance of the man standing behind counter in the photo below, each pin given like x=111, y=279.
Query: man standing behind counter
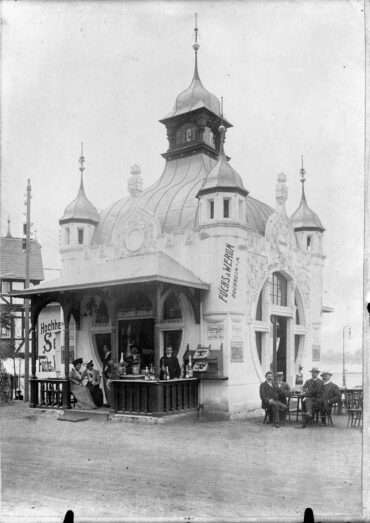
x=169, y=363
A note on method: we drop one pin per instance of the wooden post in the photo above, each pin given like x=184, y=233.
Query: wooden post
x=157, y=333
x=274, y=342
x=66, y=386
x=33, y=379
x=114, y=335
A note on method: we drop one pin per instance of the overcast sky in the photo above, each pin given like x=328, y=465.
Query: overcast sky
x=104, y=73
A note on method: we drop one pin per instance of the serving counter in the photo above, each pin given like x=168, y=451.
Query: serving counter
x=155, y=398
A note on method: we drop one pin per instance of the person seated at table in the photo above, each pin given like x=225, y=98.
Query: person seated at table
x=170, y=363
x=133, y=358
x=270, y=400
x=93, y=384
x=81, y=393
x=312, y=389
x=330, y=393
x=284, y=391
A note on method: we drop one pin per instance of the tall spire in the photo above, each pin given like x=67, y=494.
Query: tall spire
x=303, y=179
x=304, y=219
x=81, y=209
x=196, y=47
x=8, y=234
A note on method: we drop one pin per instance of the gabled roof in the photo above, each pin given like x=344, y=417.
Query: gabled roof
x=13, y=260
x=143, y=268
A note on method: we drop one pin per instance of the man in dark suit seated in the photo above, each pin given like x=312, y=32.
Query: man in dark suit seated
x=330, y=393
x=284, y=392
x=313, y=390
x=270, y=400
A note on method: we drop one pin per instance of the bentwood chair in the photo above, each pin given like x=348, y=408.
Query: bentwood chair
x=354, y=408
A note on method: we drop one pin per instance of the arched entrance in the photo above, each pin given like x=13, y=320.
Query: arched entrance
x=279, y=325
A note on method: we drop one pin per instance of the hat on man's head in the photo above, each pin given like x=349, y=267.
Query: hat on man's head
x=315, y=369
x=77, y=361
x=326, y=373
x=90, y=364
x=280, y=374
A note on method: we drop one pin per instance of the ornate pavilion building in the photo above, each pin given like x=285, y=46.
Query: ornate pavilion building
x=194, y=260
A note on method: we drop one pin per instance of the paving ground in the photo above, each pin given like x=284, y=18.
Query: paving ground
x=191, y=469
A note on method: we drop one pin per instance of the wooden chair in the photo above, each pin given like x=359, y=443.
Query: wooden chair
x=268, y=415
x=354, y=409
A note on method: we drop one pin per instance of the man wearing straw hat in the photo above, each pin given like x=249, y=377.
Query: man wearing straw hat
x=313, y=389
x=331, y=393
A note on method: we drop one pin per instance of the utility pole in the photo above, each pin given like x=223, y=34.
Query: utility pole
x=26, y=301
x=344, y=350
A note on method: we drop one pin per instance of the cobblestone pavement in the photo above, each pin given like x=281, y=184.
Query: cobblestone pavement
x=188, y=469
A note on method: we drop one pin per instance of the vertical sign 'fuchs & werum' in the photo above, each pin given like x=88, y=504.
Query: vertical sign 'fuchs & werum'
x=230, y=273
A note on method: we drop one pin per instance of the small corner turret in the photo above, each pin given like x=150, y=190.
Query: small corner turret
x=222, y=197
x=79, y=219
x=307, y=224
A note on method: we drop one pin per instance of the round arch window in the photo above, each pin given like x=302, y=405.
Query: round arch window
x=172, y=308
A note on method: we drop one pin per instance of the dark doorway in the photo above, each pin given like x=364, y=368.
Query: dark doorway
x=101, y=340
x=279, y=344
x=139, y=333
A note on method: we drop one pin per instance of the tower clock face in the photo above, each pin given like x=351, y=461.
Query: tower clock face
x=186, y=134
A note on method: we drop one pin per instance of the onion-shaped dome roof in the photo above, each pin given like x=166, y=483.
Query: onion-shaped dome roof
x=196, y=95
x=223, y=177
x=304, y=219
x=81, y=209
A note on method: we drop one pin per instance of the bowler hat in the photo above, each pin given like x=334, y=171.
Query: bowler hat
x=314, y=369
x=77, y=361
x=325, y=372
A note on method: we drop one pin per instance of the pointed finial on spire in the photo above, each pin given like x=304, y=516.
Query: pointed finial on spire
x=303, y=179
x=302, y=171
x=8, y=234
x=82, y=159
x=196, y=47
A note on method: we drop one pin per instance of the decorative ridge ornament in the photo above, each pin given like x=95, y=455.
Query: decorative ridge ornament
x=135, y=182
x=281, y=190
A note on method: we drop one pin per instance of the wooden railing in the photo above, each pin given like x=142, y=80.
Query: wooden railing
x=50, y=393
x=154, y=397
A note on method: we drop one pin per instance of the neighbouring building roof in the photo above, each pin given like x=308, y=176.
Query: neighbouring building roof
x=13, y=260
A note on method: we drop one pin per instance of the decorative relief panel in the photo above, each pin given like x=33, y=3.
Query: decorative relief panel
x=135, y=232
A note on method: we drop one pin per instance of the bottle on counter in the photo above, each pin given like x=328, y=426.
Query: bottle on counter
x=151, y=372
x=187, y=371
x=163, y=373
x=190, y=366
x=167, y=374
x=146, y=373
